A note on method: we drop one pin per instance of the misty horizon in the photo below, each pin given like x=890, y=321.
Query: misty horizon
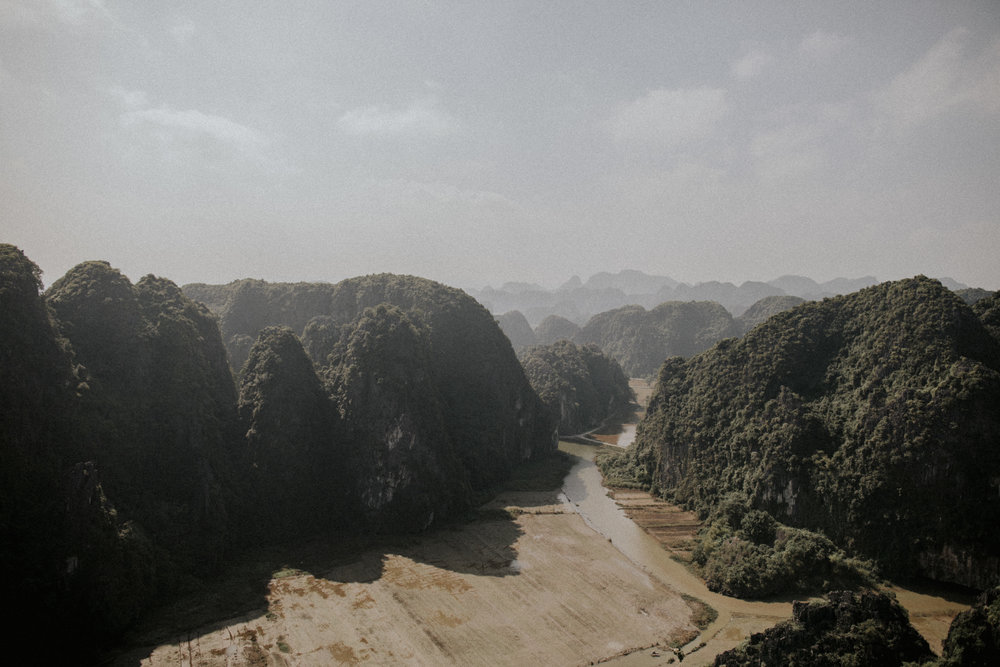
x=482, y=144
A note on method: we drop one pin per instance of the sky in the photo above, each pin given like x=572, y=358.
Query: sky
x=476, y=143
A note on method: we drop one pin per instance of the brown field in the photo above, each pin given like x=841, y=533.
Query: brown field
x=542, y=588
x=528, y=581
x=931, y=607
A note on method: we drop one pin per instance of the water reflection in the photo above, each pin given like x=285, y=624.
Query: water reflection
x=583, y=491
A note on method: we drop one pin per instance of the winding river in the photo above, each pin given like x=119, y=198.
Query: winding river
x=931, y=610
x=582, y=489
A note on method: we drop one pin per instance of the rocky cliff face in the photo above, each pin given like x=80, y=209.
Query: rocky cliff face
x=845, y=628
x=872, y=417
x=580, y=385
x=130, y=466
x=405, y=466
x=490, y=413
x=641, y=339
x=292, y=463
x=159, y=410
x=112, y=420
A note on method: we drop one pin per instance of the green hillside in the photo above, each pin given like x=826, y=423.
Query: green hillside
x=873, y=417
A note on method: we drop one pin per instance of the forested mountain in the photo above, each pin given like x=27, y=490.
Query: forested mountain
x=407, y=468
x=118, y=416
x=295, y=455
x=973, y=295
x=131, y=465
x=554, y=328
x=870, y=628
x=489, y=407
x=765, y=308
x=640, y=340
x=872, y=417
x=845, y=628
x=515, y=326
x=578, y=301
x=159, y=410
x=580, y=385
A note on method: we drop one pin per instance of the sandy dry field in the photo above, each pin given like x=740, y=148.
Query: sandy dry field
x=532, y=582
x=542, y=589
x=931, y=608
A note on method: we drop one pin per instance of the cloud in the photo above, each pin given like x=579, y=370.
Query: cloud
x=422, y=117
x=31, y=13
x=395, y=191
x=752, y=64
x=130, y=99
x=670, y=117
x=806, y=139
x=945, y=79
x=78, y=11
x=823, y=44
x=198, y=123
x=183, y=32
x=788, y=151
x=683, y=189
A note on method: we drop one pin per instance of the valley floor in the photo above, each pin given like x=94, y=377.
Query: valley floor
x=541, y=589
x=540, y=577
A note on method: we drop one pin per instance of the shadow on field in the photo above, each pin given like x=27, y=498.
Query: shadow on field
x=481, y=543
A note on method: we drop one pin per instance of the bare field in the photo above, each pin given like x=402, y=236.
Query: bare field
x=931, y=608
x=558, y=594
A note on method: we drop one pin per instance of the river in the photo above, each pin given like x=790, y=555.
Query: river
x=931, y=609
x=584, y=492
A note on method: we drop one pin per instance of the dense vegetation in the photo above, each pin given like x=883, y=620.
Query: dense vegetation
x=870, y=629
x=406, y=467
x=118, y=417
x=974, y=636
x=579, y=385
x=765, y=308
x=872, y=418
x=490, y=412
x=554, y=328
x=746, y=553
x=294, y=450
x=844, y=629
x=641, y=339
x=133, y=465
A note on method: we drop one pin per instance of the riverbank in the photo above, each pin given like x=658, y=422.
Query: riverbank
x=539, y=575
x=525, y=581
x=659, y=536
x=736, y=619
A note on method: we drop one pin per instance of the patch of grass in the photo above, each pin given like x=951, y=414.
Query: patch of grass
x=679, y=638
x=286, y=572
x=703, y=613
x=283, y=647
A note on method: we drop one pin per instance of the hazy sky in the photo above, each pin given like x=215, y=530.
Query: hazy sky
x=480, y=142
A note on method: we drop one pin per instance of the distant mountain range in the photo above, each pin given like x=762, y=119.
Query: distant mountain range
x=577, y=300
